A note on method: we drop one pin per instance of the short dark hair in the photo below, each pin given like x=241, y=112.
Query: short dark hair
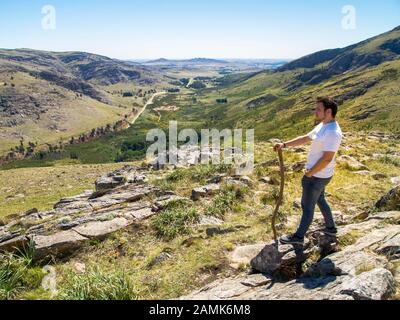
x=329, y=103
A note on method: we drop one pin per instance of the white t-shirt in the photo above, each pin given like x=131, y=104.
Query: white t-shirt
x=325, y=138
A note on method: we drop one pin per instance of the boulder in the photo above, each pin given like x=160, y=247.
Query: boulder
x=256, y=280
x=58, y=244
x=274, y=257
x=377, y=284
x=216, y=179
x=244, y=254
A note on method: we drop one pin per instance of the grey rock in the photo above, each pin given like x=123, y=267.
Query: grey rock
x=109, y=182
x=163, y=256
x=274, y=257
x=216, y=179
x=256, y=280
x=270, y=180
x=58, y=244
x=390, y=247
x=100, y=229
x=208, y=190
x=14, y=244
x=377, y=284
x=209, y=221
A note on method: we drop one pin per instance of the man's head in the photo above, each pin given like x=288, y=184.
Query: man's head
x=326, y=109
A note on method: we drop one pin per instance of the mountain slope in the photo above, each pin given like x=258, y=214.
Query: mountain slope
x=323, y=65
x=46, y=96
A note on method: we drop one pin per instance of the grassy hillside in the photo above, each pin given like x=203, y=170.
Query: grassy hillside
x=123, y=267
x=48, y=96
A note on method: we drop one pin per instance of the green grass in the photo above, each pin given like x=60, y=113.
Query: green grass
x=26, y=188
x=174, y=220
x=18, y=274
x=225, y=200
x=97, y=284
x=117, y=268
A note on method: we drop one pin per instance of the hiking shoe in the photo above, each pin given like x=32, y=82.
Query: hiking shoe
x=291, y=239
x=330, y=232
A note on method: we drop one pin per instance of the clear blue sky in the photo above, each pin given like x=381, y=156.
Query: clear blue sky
x=132, y=29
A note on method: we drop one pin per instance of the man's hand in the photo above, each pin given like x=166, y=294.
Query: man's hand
x=308, y=173
x=279, y=146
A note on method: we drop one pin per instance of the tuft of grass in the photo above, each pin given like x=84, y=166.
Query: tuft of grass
x=96, y=284
x=390, y=161
x=17, y=275
x=174, y=220
x=226, y=200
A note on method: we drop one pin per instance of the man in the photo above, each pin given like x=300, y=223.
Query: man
x=325, y=142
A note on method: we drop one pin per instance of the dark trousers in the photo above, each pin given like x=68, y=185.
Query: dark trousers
x=314, y=194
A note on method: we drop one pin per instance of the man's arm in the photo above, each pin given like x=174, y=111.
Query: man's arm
x=321, y=164
x=293, y=143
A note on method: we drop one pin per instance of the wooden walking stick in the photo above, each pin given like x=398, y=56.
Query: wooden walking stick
x=280, y=199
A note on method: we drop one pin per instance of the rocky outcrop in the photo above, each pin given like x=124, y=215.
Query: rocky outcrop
x=121, y=199
x=360, y=271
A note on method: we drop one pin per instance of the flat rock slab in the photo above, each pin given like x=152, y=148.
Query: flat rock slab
x=226, y=289
x=57, y=244
x=256, y=280
x=100, y=229
x=142, y=214
x=13, y=244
